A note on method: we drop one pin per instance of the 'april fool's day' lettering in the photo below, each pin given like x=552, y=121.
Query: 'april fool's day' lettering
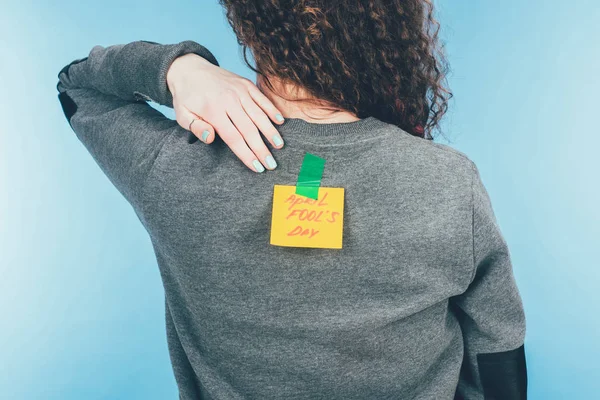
x=299, y=221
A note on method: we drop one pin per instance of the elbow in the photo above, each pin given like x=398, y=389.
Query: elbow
x=64, y=79
x=68, y=105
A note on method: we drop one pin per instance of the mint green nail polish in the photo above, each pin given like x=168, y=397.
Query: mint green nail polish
x=258, y=166
x=205, y=135
x=279, y=117
x=271, y=162
x=277, y=140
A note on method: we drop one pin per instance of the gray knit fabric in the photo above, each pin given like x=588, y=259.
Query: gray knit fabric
x=423, y=282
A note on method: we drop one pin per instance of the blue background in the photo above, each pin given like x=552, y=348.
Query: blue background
x=80, y=294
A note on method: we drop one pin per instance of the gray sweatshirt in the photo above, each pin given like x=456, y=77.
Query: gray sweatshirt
x=420, y=302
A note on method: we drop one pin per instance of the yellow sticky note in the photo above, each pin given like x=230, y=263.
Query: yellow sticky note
x=299, y=221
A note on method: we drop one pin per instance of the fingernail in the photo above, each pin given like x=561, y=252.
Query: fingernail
x=271, y=162
x=277, y=140
x=279, y=117
x=205, y=135
x=258, y=166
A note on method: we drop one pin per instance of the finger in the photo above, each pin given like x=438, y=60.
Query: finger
x=262, y=122
x=203, y=131
x=199, y=129
x=250, y=133
x=235, y=141
x=263, y=102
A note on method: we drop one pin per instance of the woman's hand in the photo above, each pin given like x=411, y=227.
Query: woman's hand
x=202, y=89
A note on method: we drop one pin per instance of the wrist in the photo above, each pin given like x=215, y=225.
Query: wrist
x=176, y=66
x=172, y=73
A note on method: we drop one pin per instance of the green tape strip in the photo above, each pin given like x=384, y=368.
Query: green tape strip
x=309, y=178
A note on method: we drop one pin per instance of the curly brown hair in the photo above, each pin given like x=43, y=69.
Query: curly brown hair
x=369, y=57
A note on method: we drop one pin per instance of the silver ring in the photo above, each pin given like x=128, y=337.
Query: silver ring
x=190, y=127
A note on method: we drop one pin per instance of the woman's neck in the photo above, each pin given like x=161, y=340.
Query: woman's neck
x=299, y=109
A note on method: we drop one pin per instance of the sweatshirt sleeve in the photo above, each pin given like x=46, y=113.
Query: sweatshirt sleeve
x=104, y=98
x=491, y=313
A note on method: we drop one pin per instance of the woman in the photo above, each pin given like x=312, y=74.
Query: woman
x=420, y=302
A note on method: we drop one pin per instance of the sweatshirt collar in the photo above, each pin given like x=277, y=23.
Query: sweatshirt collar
x=297, y=128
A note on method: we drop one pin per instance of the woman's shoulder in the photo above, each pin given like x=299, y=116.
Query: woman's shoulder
x=452, y=154
x=427, y=154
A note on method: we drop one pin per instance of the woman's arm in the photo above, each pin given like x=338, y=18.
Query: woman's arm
x=228, y=103
x=135, y=71
x=103, y=96
x=491, y=313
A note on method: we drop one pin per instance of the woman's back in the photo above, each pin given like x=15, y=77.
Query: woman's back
x=365, y=321
x=420, y=302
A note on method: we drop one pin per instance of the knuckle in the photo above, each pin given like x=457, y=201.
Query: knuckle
x=246, y=87
x=235, y=141
x=207, y=111
x=251, y=131
x=259, y=148
x=271, y=132
x=229, y=103
x=230, y=92
x=244, y=83
x=202, y=108
x=264, y=151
